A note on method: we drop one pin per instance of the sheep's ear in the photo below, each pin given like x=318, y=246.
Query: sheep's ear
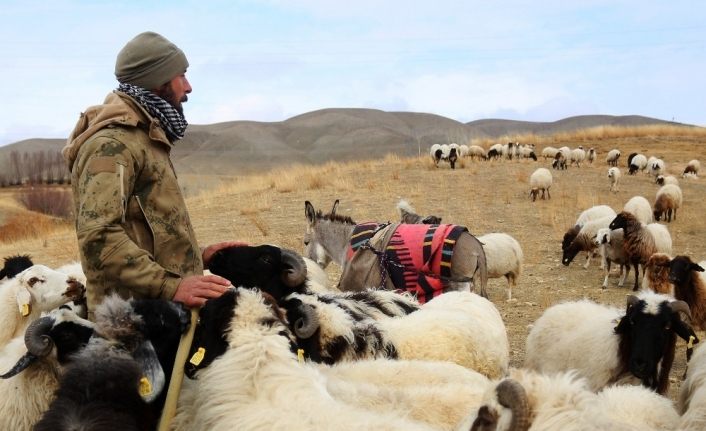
x=310, y=212
x=152, y=382
x=335, y=207
x=696, y=267
x=24, y=301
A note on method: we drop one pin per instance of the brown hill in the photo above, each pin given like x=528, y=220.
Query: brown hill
x=337, y=134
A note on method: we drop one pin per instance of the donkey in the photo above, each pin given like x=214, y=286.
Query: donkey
x=377, y=257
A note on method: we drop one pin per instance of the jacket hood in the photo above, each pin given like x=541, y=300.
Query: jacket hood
x=118, y=109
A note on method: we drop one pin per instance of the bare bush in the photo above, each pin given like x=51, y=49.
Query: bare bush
x=52, y=201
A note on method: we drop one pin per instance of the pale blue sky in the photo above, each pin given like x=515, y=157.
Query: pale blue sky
x=274, y=59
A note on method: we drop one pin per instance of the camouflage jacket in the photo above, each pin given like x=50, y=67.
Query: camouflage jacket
x=134, y=233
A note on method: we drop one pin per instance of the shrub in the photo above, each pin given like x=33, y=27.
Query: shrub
x=52, y=201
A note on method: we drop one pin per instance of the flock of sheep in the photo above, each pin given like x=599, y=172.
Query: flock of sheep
x=285, y=349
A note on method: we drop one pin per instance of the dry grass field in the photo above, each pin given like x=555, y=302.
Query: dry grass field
x=484, y=196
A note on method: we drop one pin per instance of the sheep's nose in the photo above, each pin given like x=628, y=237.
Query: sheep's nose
x=75, y=288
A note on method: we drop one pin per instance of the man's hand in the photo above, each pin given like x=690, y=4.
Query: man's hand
x=211, y=249
x=195, y=290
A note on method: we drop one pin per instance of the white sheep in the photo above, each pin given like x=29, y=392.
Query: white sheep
x=578, y=155
x=459, y=327
x=610, y=244
x=614, y=178
x=529, y=401
x=463, y=150
x=28, y=393
x=436, y=153
x=258, y=383
x=593, y=213
x=640, y=208
x=668, y=179
x=692, y=393
x=541, y=179
x=591, y=155
x=612, y=157
x=440, y=394
x=692, y=169
x=549, y=152
x=638, y=163
x=476, y=151
x=667, y=201
x=607, y=345
x=35, y=290
x=655, y=167
x=504, y=257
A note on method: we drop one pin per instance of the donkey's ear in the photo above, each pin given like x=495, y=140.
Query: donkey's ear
x=310, y=212
x=335, y=207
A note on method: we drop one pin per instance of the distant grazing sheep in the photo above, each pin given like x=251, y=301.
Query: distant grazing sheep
x=436, y=153
x=549, y=152
x=612, y=157
x=541, y=179
x=610, y=245
x=591, y=155
x=638, y=163
x=476, y=151
x=667, y=202
x=641, y=241
x=656, y=167
x=593, y=213
x=664, y=180
x=504, y=257
x=578, y=155
x=630, y=157
x=584, y=240
x=692, y=169
x=614, y=178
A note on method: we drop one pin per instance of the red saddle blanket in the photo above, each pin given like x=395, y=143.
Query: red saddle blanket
x=415, y=258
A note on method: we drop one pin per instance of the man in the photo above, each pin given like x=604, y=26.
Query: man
x=134, y=232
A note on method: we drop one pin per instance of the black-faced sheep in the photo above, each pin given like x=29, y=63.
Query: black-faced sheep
x=541, y=179
x=667, y=201
x=638, y=163
x=591, y=155
x=118, y=381
x=690, y=286
x=583, y=336
x=664, y=180
x=612, y=157
x=253, y=383
x=593, y=213
x=630, y=157
x=585, y=240
x=14, y=265
x=640, y=241
x=409, y=215
x=529, y=401
x=692, y=393
x=35, y=290
x=560, y=161
x=655, y=166
x=31, y=364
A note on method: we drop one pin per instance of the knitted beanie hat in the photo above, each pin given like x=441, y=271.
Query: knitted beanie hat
x=149, y=61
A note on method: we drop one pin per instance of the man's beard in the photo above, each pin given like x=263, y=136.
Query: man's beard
x=167, y=94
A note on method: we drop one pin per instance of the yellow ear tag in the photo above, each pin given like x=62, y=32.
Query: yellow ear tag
x=145, y=387
x=197, y=357
x=300, y=355
x=25, y=310
x=690, y=344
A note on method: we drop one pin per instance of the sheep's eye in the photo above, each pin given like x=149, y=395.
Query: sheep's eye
x=266, y=259
x=32, y=281
x=306, y=242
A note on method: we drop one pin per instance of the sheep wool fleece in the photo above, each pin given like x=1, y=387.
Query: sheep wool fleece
x=134, y=232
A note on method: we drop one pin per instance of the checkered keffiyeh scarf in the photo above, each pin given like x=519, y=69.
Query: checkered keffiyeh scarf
x=173, y=123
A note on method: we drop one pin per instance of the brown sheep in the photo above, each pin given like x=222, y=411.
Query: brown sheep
x=656, y=276
x=668, y=200
x=690, y=287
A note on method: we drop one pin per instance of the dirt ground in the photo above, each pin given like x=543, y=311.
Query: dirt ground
x=484, y=196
